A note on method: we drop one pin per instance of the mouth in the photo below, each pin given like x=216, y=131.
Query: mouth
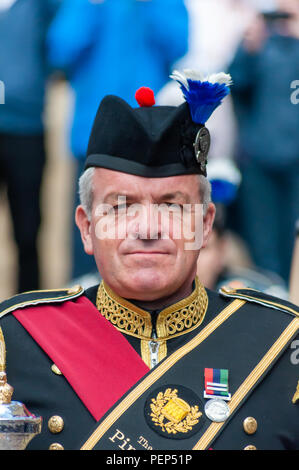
x=148, y=253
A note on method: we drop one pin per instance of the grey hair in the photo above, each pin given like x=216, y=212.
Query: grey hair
x=205, y=191
x=86, y=191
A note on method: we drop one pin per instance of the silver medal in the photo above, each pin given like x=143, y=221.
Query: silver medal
x=217, y=410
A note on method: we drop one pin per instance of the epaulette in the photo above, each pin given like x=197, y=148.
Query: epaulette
x=26, y=299
x=261, y=298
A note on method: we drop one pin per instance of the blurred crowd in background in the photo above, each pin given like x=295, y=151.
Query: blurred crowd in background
x=58, y=58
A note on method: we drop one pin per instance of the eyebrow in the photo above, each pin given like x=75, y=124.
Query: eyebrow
x=176, y=195
x=113, y=196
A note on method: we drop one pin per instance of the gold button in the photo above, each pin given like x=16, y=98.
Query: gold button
x=250, y=447
x=56, y=446
x=55, y=424
x=55, y=369
x=74, y=290
x=250, y=425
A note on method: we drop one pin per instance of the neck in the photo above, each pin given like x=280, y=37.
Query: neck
x=159, y=304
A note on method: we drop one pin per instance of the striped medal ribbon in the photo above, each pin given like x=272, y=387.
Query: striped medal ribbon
x=216, y=384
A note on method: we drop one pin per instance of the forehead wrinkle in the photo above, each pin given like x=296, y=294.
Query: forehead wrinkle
x=112, y=184
x=176, y=195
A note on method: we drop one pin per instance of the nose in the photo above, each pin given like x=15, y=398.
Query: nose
x=143, y=222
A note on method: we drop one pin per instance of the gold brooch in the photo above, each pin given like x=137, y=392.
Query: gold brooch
x=173, y=414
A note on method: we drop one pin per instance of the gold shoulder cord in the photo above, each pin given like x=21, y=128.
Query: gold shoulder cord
x=235, y=294
x=66, y=294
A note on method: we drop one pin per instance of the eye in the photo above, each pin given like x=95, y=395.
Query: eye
x=174, y=205
x=119, y=207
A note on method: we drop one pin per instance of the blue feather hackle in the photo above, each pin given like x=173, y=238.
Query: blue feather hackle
x=202, y=95
x=223, y=192
x=225, y=179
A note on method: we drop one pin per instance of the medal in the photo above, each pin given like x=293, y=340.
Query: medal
x=217, y=410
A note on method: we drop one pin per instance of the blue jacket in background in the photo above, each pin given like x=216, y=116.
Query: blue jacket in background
x=23, y=67
x=268, y=120
x=114, y=47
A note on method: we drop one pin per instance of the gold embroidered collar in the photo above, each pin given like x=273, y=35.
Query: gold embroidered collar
x=175, y=320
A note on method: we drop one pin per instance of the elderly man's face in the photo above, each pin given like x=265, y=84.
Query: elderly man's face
x=144, y=251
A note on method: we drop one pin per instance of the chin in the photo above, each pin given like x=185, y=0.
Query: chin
x=149, y=286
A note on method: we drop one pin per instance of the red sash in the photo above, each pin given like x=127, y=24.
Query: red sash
x=94, y=357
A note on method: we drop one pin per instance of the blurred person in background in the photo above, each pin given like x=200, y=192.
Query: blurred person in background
x=216, y=28
x=112, y=47
x=24, y=72
x=294, y=276
x=263, y=70
x=216, y=266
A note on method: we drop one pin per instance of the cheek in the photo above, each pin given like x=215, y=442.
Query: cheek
x=186, y=225
x=104, y=250
x=208, y=259
x=193, y=235
x=186, y=254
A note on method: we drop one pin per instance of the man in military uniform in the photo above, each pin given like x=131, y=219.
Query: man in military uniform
x=150, y=359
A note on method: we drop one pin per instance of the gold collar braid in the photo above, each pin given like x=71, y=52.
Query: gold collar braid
x=175, y=320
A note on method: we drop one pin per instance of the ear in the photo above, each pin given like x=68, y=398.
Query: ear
x=84, y=226
x=208, y=221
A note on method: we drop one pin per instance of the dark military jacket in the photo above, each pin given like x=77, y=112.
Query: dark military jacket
x=252, y=335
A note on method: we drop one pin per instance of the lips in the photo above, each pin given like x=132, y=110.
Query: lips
x=147, y=247
x=148, y=253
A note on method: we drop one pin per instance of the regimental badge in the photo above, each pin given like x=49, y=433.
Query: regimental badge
x=202, y=147
x=175, y=412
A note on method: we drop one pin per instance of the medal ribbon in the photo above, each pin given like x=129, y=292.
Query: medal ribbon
x=216, y=383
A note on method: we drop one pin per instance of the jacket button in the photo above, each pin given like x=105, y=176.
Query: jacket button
x=250, y=425
x=56, y=446
x=55, y=424
x=74, y=290
x=250, y=447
